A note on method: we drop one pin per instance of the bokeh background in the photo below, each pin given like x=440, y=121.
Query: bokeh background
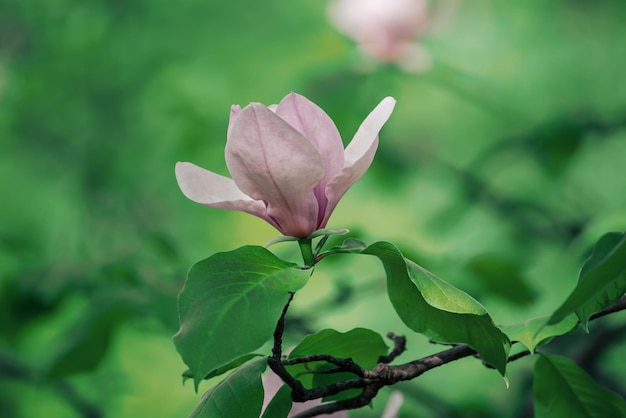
x=501, y=166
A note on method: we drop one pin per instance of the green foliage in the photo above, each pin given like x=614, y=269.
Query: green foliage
x=601, y=282
x=239, y=395
x=230, y=305
x=562, y=389
x=441, y=312
x=534, y=331
x=361, y=345
x=85, y=347
x=501, y=277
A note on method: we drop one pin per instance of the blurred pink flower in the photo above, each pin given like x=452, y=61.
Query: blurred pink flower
x=287, y=163
x=385, y=29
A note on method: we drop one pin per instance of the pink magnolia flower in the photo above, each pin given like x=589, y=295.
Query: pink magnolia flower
x=385, y=29
x=287, y=163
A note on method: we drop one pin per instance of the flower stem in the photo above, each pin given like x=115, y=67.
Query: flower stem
x=306, y=249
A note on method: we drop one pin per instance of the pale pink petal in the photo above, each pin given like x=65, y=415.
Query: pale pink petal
x=234, y=111
x=315, y=125
x=271, y=161
x=392, y=409
x=271, y=385
x=359, y=154
x=210, y=189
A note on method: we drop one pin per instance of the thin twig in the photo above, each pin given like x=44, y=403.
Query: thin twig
x=620, y=305
x=280, y=329
x=399, y=347
x=345, y=365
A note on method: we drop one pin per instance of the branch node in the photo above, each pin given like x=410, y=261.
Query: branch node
x=399, y=347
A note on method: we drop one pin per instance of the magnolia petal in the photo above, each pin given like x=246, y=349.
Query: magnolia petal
x=315, y=125
x=210, y=189
x=271, y=161
x=359, y=154
x=234, y=111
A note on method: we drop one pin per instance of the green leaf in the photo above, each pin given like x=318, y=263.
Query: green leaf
x=601, y=282
x=443, y=313
x=534, y=331
x=239, y=395
x=221, y=370
x=362, y=345
x=280, y=405
x=562, y=389
x=230, y=304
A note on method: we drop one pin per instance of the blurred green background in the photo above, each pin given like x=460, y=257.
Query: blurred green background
x=498, y=170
